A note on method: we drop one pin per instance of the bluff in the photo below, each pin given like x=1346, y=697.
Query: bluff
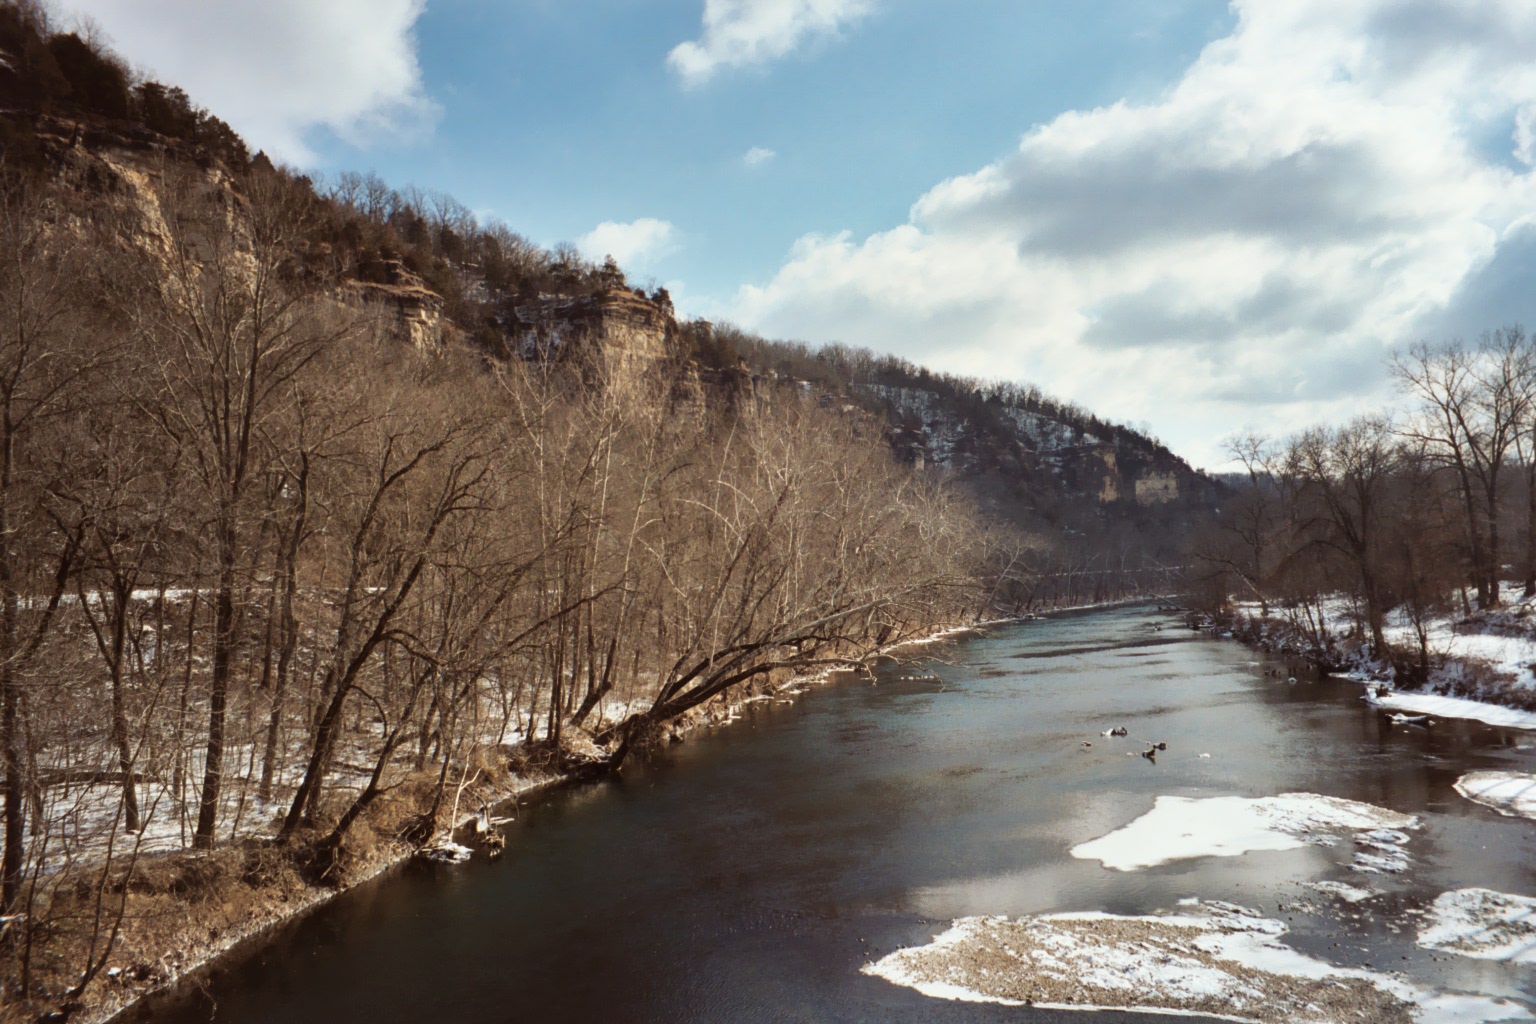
x=439, y=279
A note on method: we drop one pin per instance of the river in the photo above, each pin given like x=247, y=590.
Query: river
x=748, y=874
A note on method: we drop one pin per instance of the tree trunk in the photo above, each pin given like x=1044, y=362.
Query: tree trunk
x=1495, y=567
x=288, y=639
x=223, y=642
x=1474, y=538
x=1530, y=524
x=10, y=700
x=10, y=694
x=119, y=712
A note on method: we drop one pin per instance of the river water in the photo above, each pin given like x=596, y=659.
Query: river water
x=748, y=874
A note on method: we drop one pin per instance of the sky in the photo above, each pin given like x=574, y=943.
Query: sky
x=1199, y=216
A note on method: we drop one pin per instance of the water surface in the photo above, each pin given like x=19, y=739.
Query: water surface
x=747, y=875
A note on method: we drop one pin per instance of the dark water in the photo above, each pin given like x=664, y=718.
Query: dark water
x=748, y=874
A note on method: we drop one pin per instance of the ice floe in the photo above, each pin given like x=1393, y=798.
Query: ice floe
x=1382, y=838
x=1208, y=958
x=1483, y=924
x=1510, y=793
x=1179, y=828
x=1389, y=857
x=1394, y=863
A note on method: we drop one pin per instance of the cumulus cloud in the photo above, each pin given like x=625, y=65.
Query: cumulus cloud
x=1315, y=189
x=278, y=69
x=742, y=33
x=635, y=245
x=757, y=156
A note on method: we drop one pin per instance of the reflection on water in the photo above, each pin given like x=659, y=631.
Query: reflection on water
x=748, y=874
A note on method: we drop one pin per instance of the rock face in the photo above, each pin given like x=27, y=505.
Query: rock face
x=620, y=335
x=412, y=312
x=1157, y=489
x=133, y=164
x=1029, y=459
x=1109, y=488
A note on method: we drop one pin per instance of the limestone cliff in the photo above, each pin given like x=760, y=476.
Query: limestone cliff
x=623, y=336
x=410, y=311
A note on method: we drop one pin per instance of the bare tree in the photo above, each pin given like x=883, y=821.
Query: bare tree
x=227, y=332
x=1346, y=472
x=43, y=369
x=1473, y=404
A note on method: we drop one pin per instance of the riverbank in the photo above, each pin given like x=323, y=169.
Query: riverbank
x=1479, y=666
x=210, y=931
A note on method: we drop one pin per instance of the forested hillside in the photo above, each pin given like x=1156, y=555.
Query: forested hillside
x=328, y=513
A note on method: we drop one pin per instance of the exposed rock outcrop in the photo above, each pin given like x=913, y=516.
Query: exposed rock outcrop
x=1157, y=489
x=412, y=312
x=622, y=336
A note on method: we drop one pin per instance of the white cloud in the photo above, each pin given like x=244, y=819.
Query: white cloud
x=634, y=245
x=757, y=156
x=278, y=69
x=1240, y=252
x=740, y=33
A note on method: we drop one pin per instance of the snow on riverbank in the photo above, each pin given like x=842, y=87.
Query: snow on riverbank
x=1482, y=924
x=1482, y=667
x=1512, y=794
x=1214, y=959
x=1180, y=828
x=1455, y=707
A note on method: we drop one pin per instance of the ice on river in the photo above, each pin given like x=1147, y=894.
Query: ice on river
x=1512, y=794
x=1483, y=924
x=1180, y=828
x=1208, y=958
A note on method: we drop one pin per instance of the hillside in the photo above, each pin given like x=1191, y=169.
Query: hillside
x=1032, y=461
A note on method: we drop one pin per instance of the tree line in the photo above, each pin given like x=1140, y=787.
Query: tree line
x=1426, y=509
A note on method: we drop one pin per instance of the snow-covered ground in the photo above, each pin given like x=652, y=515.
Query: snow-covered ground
x=1213, y=959
x=1500, y=640
x=1179, y=828
x=1510, y=793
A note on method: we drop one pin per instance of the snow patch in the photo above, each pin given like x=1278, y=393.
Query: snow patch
x=1376, y=863
x=1180, y=828
x=1212, y=959
x=445, y=852
x=1483, y=924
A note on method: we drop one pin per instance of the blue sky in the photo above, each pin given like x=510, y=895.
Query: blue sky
x=557, y=117
x=1206, y=216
